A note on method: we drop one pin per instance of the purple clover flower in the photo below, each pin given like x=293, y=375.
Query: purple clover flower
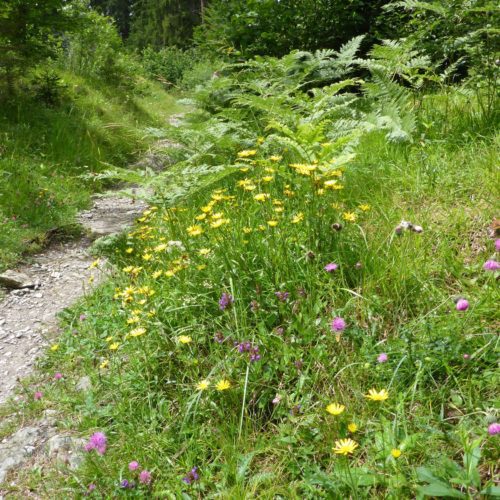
x=249, y=348
x=494, y=429
x=491, y=265
x=225, y=301
x=58, y=376
x=382, y=358
x=191, y=476
x=145, y=477
x=38, y=395
x=462, y=305
x=329, y=268
x=497, y=245
x=97, y=442
x=132, y=466
x=338, y=324
x=282, y=296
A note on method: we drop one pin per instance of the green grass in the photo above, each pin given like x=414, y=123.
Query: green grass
x=45, y=151
x=400, y=302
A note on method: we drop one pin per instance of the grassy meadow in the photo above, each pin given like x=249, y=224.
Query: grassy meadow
x=281, y=333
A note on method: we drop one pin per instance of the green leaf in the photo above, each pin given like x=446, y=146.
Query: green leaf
x=438, y=489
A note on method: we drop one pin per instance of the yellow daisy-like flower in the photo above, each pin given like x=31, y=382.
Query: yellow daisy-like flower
x=396, y=453
x=223, y=384
x=132, y=320
x=104, y=364
x=365, y=207
x=157, y=274
x=137, y=332
x=54, y=347
x=268, y=178
x=128, y=269
x=219, y=222
x=272, y=223
x=247, y=230
x=247, y=153
x=203, y=385
x=249, y=187
x=375, y=395
x=194, y=230
x=160, y=247
x=147, y=256
x=94, y=264
x=114, y=346
x=276, y=158
x=335, y=409
x=184, y=339
x=261, y=197
x=349, y=216
x=303, y=169
x=110, y=338
x=345, y=447
x=129, y=250
x=352, y=427
x=201, y=217
x=207, y=208
x=298, y=218
x=201, y=267
x=204, y=251
x=329, y=184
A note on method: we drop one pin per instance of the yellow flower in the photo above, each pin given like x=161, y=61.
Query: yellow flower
x=377, y=396
x=247, y=230
x=161, y=247
x=302, y=169
x=276, y=158
x=137, y=332
x=203, y=385
x=298, y=218
x=223, y=384
x=364, y=207
x=147, y=256
x=184, y=339
x=194, y=230
x=260, y=140
x=261, y=197
x=352, y=427
x=129, y=250
x=272, y=223
x=110, y=338
x=330, y=183
x=132, y=320
x=268, y=178
x=201, y=267
x=335, y=409
x=396, y=453
x=345, y=446
x=201, y=217
x=157, y=274
x=349, y=216
x=128, y=269
x=114, y=346
x=204, y=251
x=94, y=264
x=249, y=187
x=247, y=153
x=207, y=208
x=219, y=222
x=54, y=347
x=104, y=364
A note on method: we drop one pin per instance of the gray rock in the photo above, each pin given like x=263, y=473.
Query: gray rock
x=66, y=449
x=13, y=279
x=15, y=449
x=84, y=384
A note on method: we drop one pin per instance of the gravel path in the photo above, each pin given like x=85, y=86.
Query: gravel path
x=61, y=275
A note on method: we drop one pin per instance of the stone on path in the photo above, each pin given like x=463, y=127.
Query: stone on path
x=13, y=279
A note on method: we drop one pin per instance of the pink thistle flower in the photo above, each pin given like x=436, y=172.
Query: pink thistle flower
x=382, y=358
x=329, y=268
x=38, y=395
x=338, y=324
x=132, y=466
x=491, y=265
x=466, y=356
x=462, y=305
x=494, y=429
x=497, y=245
x=145, y=477
x=58, y=376
x=97, y=442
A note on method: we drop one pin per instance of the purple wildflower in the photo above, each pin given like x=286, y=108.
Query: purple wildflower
x=83, y=317
x=497, y=245
x=494, y=429
x=254, y=306
x=282, y=296
x=296, y=409
x=491, y=265
x=382, y=358
x=97, y=442
x=191, y=476
x=125, y=484
x=466, y=356
x=38, y=395
x=225, y=301
x=329, y=268
x=462, y=305
x=279, y=330
x=219, y=337
x=145, y=477
x=58, y=376
x=91, y=487
x=338, y=324
x=298, y=364
x=132, y=466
